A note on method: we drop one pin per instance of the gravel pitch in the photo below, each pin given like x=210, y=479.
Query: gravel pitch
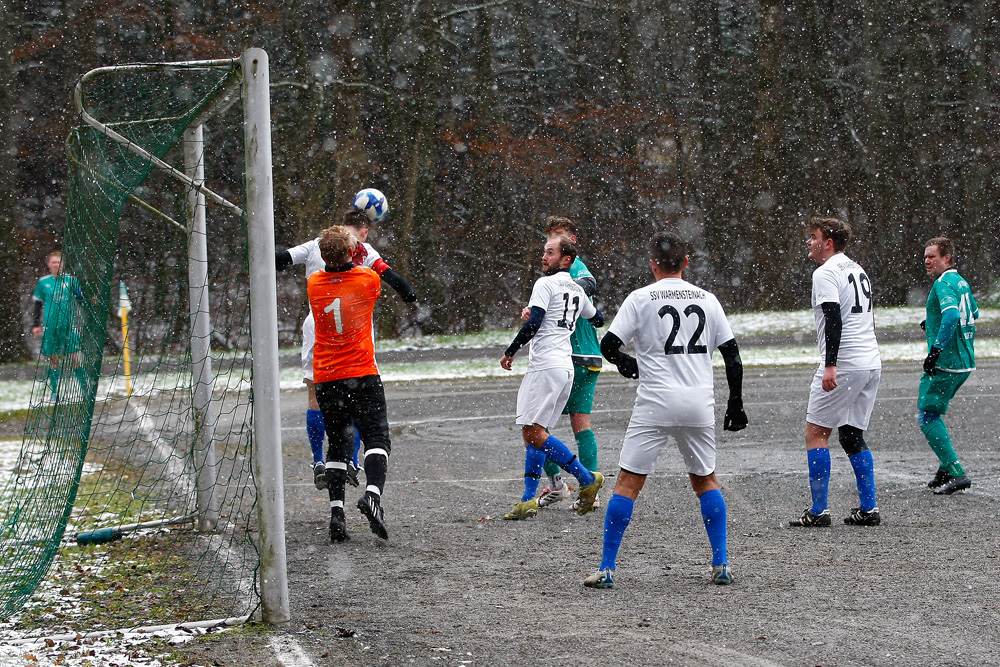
x=456, y=585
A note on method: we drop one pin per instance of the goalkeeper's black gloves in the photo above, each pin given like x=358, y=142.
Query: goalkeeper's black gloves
x=931, y=361
x=736, y=418
x=923, y=325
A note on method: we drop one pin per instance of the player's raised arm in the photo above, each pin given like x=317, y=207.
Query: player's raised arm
x=282, y=260
x=736, y=417
x=395, y=281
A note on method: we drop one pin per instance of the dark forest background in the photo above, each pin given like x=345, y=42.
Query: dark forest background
x=731, y=122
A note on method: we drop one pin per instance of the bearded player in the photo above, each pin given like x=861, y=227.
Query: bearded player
x=555, y=305
x=586, y=369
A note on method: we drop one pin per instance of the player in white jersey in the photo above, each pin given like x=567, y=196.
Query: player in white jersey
x=309, y=254
x=675, y=327
x=843, y=390
x=555, y=305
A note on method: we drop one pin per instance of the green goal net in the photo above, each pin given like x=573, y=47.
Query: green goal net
x=133, y=500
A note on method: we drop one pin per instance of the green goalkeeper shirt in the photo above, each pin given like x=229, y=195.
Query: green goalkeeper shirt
x=58, y=295
x=951, y=290
x=586, y=347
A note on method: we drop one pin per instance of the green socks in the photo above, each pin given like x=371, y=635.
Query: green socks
x=937, y=437
x=586, y=446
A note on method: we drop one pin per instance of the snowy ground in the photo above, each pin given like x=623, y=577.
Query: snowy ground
x=125, y=648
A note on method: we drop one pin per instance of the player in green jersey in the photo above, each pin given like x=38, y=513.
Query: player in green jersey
x=951, y=332
x=586, y=369
x=56, y=295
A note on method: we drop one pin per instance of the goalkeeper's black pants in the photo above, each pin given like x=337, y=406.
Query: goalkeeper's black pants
x=363, y=401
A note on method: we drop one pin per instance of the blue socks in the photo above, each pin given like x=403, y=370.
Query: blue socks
x=559, y=453
x=316, y=431
x=357, y=445
x=713, y=511
x=616, y=520
x=819, y=478
x=534, y=459
x=864, y=471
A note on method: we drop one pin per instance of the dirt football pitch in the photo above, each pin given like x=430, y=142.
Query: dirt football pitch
x=455, y=584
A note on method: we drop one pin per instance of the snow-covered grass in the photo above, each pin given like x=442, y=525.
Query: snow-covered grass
x=797, y=324
x=787, y=322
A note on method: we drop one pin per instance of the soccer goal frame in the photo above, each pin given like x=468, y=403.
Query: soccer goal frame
x=253, y=88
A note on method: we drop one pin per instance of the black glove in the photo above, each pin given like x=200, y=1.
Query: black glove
x=736, y=418
x=931, y=360
x=923, y=325
x=628, y=367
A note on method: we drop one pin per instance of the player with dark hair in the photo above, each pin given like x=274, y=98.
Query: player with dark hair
x=586, y=369
x=675, y=327
x=843, y=389
x=556, y=305
x=950, y=328
x=56, y=296
x=308, y=253
x=349, y=390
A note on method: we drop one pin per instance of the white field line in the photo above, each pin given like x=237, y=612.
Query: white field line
x=289, y=653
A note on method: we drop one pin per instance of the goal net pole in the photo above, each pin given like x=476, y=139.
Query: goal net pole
x=205, y=465
x=267, y=463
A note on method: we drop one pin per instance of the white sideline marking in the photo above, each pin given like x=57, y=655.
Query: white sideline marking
x=717, y=655
x=289, y=653
x=605, y=411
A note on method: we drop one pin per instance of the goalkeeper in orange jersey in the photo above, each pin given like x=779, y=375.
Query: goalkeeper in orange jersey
x=342, y=297
x=358, y=223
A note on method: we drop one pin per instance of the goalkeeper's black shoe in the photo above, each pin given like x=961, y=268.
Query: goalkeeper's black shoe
x=952, y=485
x=338, y=525
x=370, y=507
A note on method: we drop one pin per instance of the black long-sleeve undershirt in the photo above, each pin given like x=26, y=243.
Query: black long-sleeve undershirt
x=730, y=352
x=527, y=331
x=398, y=283
x=831, y=331
x=611, y=349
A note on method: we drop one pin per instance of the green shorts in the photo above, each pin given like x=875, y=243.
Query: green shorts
x=60, y=340
x=581, y=396
x=937, y=390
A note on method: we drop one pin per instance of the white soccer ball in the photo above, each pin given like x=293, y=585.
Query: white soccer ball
x=373, y=203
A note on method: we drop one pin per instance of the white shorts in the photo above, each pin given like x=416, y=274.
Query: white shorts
x=643, y=443
x=308, y=341
x=850, y=404
x=543, y=395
